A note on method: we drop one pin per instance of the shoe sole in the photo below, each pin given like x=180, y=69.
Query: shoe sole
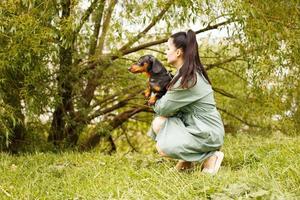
x=220, y=156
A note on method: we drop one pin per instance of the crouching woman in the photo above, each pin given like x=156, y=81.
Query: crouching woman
x=187, y=126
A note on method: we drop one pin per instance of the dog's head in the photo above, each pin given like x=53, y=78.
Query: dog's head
x=147, y=63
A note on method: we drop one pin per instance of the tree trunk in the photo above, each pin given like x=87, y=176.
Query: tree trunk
x=64, y=112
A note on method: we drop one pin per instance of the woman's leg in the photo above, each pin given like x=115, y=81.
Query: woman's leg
x=183, y=165
x=160, y=151
x=210, y=162
x=157, y=125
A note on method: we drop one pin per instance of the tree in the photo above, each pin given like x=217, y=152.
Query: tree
x=25, y=52
x=67, y=62
x=272, y=29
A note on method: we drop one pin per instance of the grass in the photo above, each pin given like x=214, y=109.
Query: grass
x=254, y=167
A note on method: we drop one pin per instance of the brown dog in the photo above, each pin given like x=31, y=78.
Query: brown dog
x=159, y=77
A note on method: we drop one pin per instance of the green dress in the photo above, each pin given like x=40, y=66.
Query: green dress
x=194, y=128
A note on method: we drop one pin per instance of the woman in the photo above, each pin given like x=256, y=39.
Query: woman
x=188, y=126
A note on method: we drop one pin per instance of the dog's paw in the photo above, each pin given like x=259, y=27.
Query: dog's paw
x=151, y=102
x=146, y=93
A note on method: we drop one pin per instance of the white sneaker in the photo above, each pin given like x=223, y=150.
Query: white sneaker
x=215, y=169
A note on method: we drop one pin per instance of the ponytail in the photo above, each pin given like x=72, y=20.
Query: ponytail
x=192, y=64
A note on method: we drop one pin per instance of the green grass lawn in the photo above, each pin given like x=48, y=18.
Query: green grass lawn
x=254, y=167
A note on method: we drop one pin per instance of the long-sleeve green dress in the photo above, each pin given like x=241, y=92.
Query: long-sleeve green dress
x=194, y=128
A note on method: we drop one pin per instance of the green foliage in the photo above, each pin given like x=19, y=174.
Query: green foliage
x=6, y=117
x=24, y=72
x=45, y=64
x=271, y=31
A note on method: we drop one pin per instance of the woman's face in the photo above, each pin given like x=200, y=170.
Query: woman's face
x=173, y=54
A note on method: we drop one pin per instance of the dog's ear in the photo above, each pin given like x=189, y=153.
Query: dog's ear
x=156, y=65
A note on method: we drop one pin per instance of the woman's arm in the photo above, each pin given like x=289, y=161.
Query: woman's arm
x=178, y=97
x=169, y=104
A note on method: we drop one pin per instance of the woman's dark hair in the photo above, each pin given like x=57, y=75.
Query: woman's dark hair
x=192, y=64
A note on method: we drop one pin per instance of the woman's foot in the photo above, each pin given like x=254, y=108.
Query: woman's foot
x=212, y=164
x=183, y=165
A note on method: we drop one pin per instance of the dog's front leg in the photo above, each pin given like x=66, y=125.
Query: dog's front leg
x=152, y=99
x=147, y=92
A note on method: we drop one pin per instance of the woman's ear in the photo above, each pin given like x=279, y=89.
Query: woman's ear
x=179, y=52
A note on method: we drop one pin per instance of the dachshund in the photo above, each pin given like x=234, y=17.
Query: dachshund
x=159, y=77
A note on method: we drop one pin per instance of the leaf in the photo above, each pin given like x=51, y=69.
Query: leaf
x=236, y=190
x=259, y=193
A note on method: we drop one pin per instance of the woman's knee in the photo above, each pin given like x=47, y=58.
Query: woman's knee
x=157, y=123
x=160, y=151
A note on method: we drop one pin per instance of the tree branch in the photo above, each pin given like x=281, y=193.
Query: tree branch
x=93, y=81
x=97, y=24
x=112, y=97
x=161, y=52
x=152, y=23
x=85, y=16
x=209, y=27
x=224, y=93
x=142, y=46
x=239, y=119
x=232, y=72
x=112, y=144
x=128, y=140
x=234, y=58
x=94, y=62
x=163, y=40
x=112, y=124
x=106, y=25
x=114, y=107
x=121, y=118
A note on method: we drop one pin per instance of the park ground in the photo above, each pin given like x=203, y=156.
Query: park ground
x=255, y=167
